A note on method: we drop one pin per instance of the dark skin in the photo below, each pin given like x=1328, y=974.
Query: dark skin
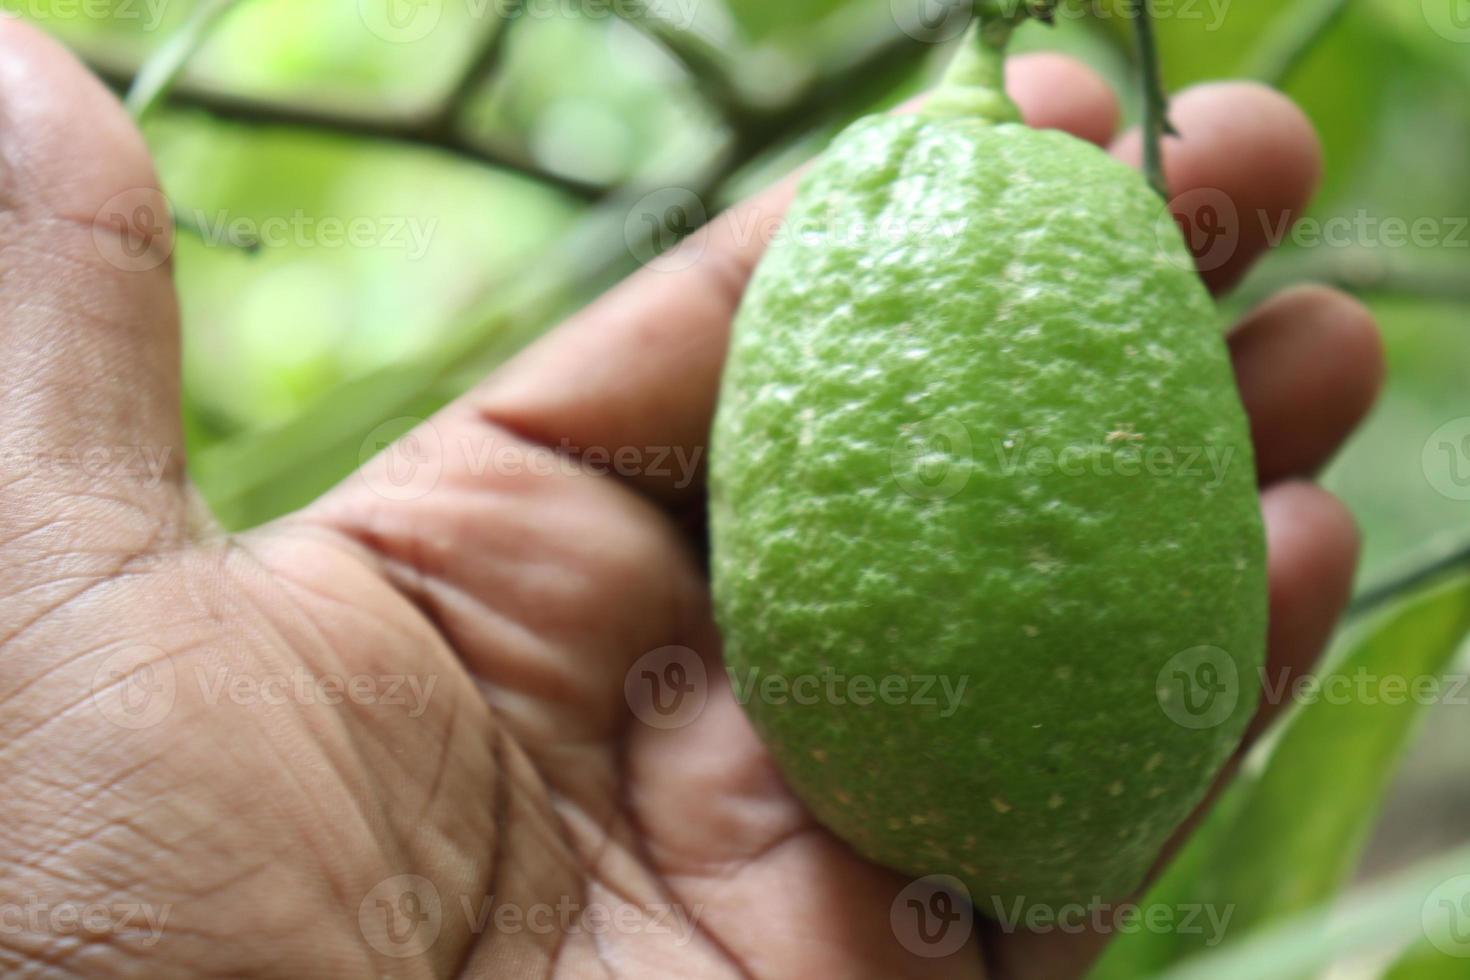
x=263, y=826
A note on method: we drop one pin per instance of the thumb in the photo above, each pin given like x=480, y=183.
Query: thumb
x=89, y=350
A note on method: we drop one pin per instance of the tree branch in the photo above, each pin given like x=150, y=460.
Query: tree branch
x=862, y=76
x=432, y=131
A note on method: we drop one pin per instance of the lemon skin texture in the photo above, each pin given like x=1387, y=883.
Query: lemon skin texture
x=987, y=553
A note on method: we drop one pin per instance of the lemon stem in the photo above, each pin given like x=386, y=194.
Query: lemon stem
x=974, y=85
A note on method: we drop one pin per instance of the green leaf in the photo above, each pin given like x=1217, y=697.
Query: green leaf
x=262, y=475
x=1429, y=903
x=1427, y=962
x=1289, y=830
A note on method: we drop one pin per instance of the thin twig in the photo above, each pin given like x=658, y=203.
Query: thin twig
x=1156, y=124
x=188, y=222
x=476, y=74
x=1285, y=48
x=1425, y=275
x=1409, y=581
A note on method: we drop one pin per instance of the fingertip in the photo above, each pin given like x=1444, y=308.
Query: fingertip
x=1055, y=91
x=1237, y=123
x=1309, y=363
x=1243, y=148
x=1312, y=536
x=1354, y=338
x=1346, y=331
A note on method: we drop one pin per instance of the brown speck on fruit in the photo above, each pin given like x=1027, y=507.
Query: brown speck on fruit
x=1001, y=806
x=1124, y=433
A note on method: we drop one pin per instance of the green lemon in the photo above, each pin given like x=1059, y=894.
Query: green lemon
x=987, y=551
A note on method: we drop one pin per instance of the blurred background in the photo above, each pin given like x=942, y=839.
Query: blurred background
x=386, y=197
